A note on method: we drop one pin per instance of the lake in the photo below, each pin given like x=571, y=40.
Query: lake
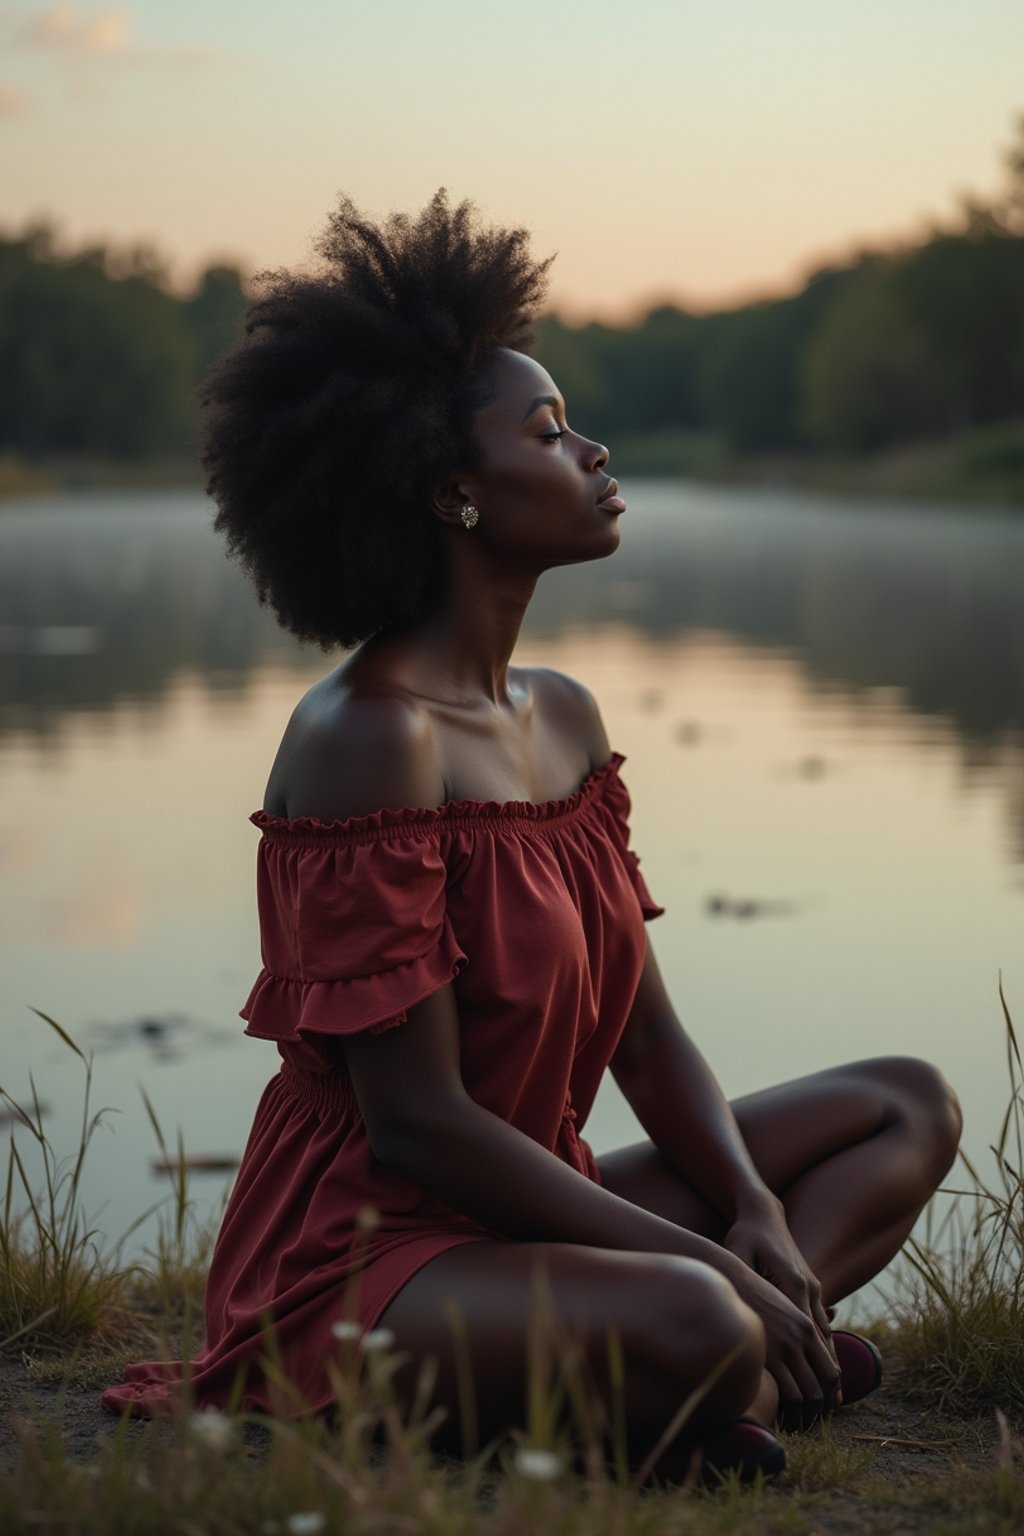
x=822, y=705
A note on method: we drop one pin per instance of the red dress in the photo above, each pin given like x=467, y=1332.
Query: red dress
x=535, y=913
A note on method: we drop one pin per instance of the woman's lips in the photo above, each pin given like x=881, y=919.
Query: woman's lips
x=611, y=500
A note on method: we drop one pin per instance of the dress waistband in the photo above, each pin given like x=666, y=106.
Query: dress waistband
x=326, y=1092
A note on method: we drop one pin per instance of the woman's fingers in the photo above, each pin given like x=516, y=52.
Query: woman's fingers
x=801, y=1360
x=823, y=1319
x=814, y=1373
x=828, y=1372
x=800, y=1353
x=819, y=1314
x=804, y=1292
x=789, y=1392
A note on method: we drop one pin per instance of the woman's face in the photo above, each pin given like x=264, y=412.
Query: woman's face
x=542, y=490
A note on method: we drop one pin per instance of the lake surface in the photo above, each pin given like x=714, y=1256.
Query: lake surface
x=822, y=704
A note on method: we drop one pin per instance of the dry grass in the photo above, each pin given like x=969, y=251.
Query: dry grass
x=958, y=1307
x=59, y=1283
x=371, y=1471
x=63, y=1285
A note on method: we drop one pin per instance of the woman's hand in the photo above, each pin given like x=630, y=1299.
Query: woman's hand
x=797, y=1355
x=800, y=1353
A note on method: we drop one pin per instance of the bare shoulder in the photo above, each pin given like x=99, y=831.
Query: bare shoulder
x=570, y=707
x=349, y=751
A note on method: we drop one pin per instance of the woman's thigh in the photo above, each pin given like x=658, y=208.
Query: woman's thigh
x=481, y=1303
x=788, y=1130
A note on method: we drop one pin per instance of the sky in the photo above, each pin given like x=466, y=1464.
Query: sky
x=702, y=152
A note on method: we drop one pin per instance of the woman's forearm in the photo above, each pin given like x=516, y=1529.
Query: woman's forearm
x=484, y=1167
x=678, y=1101
x=478, y=1164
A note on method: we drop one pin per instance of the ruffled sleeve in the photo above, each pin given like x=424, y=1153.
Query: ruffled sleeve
x=353, y=925
x=617, y=806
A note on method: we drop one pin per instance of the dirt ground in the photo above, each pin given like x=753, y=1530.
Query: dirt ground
x=907, y=1445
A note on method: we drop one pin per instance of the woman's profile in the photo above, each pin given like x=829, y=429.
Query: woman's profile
x=453, y=922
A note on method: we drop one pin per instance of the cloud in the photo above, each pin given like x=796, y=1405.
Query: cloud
x=13, y=101
x=104, y=35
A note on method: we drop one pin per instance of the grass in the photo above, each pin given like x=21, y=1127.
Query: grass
x=959, y=1305
x=72, y=1312
x=63, y=1285
x=58, y=1283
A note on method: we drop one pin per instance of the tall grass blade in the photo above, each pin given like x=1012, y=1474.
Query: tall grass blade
x=960, y=1307
x=55, y=1026
x=675, y=1426
x=56, y=1283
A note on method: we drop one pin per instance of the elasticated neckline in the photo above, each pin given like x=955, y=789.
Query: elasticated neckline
x=428, y=818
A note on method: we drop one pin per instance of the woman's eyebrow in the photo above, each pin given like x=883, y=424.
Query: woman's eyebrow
x=540, y=400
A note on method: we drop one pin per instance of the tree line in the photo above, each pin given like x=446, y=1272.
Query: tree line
x=892, y=347
x=99, y=356
x=922, y=342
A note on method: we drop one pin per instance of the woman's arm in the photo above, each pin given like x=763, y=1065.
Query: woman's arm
x=346, y=754
x=423, y=1125
x=680, y=1105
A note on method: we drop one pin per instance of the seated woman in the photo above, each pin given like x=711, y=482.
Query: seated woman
x=453, y=922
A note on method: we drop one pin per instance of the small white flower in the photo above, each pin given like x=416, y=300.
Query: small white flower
x=378, y=1339
x=346, y=1332
x=305, y=1522
x=539, y=1466
x=211, y=1428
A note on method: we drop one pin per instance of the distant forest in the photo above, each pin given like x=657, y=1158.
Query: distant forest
x=100, y=358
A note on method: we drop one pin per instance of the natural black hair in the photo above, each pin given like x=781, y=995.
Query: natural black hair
x=350, y=401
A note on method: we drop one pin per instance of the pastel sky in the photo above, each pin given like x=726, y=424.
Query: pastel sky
x=699, y=150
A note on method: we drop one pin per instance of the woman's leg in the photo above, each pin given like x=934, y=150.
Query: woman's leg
x=854, y=1153
x=677, y=1321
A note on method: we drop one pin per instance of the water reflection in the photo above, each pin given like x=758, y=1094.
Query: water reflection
x=822, y=708
x=164, y=1037
x=145, y=579
x=745, y=908
x=106, y=599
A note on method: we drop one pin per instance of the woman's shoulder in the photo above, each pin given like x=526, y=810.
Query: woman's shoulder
x=351, y=749
x=572, y=707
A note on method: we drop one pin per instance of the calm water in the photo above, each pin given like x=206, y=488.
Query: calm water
x=823, y=708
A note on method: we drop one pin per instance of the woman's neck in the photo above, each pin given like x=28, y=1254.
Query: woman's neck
x=460, y=651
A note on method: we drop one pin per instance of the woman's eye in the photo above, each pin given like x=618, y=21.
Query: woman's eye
x=551, y=437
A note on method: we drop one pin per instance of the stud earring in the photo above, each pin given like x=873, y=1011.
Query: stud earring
x=470, y=517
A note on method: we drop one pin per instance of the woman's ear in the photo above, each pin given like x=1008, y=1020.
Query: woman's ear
x=449, y=501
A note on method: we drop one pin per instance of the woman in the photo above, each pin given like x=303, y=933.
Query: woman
x=453, y=923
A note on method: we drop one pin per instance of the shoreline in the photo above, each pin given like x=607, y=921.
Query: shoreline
x=940, y=472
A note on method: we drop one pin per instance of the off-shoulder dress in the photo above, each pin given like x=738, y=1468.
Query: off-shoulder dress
x=534, y=911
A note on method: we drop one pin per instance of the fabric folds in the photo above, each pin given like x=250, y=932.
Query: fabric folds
x=534, y=915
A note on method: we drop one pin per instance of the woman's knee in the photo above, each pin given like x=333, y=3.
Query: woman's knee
x=691, y=1327
x=918, y=1094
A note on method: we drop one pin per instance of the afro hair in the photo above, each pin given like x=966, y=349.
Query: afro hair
x=349, y=402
